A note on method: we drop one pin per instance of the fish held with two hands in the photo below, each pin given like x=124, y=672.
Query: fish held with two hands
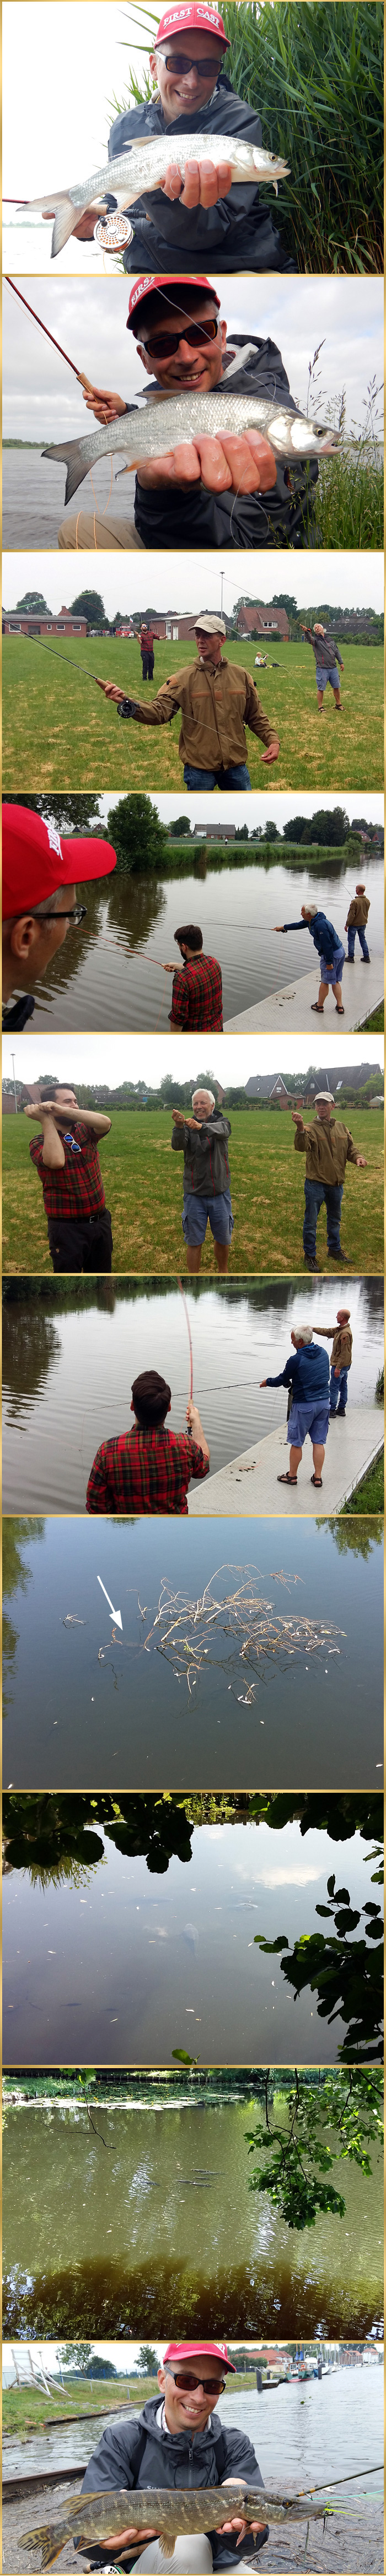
x=171, y=420
x=142, y=167
x=96, y=2517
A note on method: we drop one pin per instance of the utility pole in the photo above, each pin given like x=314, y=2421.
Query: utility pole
x=222, y=586
x=14, y=1084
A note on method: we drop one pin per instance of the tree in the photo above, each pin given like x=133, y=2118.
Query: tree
x=89, y=604
x=138, y=836
x=271, y=831
x=77, y=2356
x=324, y=2126
x=345, y=1974
x=79, y=814
x=34, y=599
x=147, y=2361
x=283, y=599
x=180, y=830
x=293, y=831
x=241, y=832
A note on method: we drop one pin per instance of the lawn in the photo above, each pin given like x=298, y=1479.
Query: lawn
x=143, y=1182
x=60, y=733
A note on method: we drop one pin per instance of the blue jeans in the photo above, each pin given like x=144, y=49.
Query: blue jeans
x=238, y=776
x=338, y=1391
x=315, y=1192
x=356, y=933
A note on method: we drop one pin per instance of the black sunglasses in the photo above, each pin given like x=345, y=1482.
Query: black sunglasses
x=166, y=343
x=77, y=915
x=187, y=63
x=185, y=2380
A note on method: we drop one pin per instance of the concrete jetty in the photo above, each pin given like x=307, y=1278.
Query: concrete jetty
x=248, y=1487
x=290, y=1008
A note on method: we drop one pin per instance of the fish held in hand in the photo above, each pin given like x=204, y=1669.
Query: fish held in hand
x=172, y=420
x=140, y=169
x=96, y=2517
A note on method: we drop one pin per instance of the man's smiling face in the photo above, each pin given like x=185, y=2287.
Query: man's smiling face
x=179, y=90
x=190, y=368
x=189, y=2411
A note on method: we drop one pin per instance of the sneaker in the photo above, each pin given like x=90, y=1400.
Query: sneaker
x=341, y=1412
x=338, y=1255
x=310, y=1265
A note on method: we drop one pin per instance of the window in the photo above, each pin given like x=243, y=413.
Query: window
x=76, y=626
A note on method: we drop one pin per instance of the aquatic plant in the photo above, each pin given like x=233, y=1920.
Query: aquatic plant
x=186, y=1628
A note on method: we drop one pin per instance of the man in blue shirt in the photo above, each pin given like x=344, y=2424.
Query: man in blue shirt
x=307, y=1375
x=330, y=950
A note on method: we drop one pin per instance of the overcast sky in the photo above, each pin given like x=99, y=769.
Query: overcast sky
x=280, y=808
x=167, y=582
x=62, y=65
x=135, y=1059
x=42, y=400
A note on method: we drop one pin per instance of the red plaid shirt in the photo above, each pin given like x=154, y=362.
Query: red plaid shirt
x=76, y=1188
x=197, y=995
x=144, y=1471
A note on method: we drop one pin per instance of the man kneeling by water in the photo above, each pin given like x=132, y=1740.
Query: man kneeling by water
x=176, y=2442
x=307, y=1376
x=149, y=1469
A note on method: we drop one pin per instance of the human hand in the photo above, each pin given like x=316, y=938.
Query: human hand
x=297, y=1120
x=192, y=1415
x=121, y=2539
x=105, y=406
x=278, y=925
x=361, y=1162
x=272, y=753
x=178, y=1117
x=236, y=2523
x=34, y=1109
x=202, y=185
x=221, y=464
x=337, y=1372
x=263, y=1381
x=111, y=691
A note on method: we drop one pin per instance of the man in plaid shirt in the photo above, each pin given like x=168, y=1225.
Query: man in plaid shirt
x=148, y=1469
x=197, y=985
x=67, y=1162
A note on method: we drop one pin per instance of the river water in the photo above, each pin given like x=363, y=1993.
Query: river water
x=33, y=503
x=91, y=1992
x=125, y=1720
x=160, y=2221
x=98, y=980
x=67, y=1376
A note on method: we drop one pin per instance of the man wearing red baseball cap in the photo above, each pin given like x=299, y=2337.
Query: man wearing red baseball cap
x=177, y=2442
x=202, y=220
x=39, y=899
x=226, y=489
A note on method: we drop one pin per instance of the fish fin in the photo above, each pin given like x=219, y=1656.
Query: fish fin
x=77, y=465
x=49, y=2537
x=274, y=185
x=166, y=2544
x=66, y=216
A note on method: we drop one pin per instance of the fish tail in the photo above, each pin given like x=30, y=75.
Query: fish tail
x=66, y=216
x=49, y=2537
x=69, y=454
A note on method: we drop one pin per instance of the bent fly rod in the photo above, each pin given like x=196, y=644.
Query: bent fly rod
x=49, y=335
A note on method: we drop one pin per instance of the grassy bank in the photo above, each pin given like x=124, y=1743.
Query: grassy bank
x=143, y=1181
x=369, y=1495
x=59, y=732
x=375, y=1025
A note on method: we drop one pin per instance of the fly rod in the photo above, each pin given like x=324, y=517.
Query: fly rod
x=43, y=326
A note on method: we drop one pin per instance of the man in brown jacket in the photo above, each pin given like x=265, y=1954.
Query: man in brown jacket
x=328, y=1147
x=216, y=700
x=357, y=917
x=341, y=1355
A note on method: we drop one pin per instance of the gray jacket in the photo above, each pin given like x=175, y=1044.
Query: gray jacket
x=138, y=2453
x=206, y=1167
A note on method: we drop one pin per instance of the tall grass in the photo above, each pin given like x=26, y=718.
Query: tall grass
x=314, y=74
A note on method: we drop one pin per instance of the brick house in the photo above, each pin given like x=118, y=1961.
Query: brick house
x=254, y=618
x=63, y=624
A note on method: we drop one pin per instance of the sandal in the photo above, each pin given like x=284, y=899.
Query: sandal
x=286, y=1480
x=338, y=1008
x=316, y=1480
x=319, y=1007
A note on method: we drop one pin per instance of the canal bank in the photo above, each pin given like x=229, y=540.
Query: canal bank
x=353, y=1445
x=292, y=1008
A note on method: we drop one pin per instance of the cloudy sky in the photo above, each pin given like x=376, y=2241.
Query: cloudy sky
x=63, y=65
x=42, y=399
x=352, y=581
x=280, y=809
x=135, y=1059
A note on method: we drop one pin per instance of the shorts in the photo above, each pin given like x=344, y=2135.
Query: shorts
x=333, y=974
x=198, y=1213
x=311, y=1418
x=323, y=676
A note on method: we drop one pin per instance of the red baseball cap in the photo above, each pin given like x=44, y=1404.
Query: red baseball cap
x=148, y=285
x=199, y=14
x=36, y=860
x=193, y=2351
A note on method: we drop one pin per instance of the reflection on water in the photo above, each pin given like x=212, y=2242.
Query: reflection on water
x=83, y=1709
x=77, y=1975
x=98, y=980
x=67, y=1384
x=119, y=2237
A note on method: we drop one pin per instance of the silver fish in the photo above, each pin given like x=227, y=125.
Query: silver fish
x=168, y=2510
x=168, y=420
x=139, y=169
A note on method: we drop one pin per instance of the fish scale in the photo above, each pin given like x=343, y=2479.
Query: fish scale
x=138, y=170
x=174, y=420
x=169, y=2510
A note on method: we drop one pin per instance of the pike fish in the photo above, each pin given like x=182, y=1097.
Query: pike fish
x=94, y=2518
x=139, y=170
x=169, y=420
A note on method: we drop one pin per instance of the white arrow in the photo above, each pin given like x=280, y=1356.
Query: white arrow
x=115, y=1614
